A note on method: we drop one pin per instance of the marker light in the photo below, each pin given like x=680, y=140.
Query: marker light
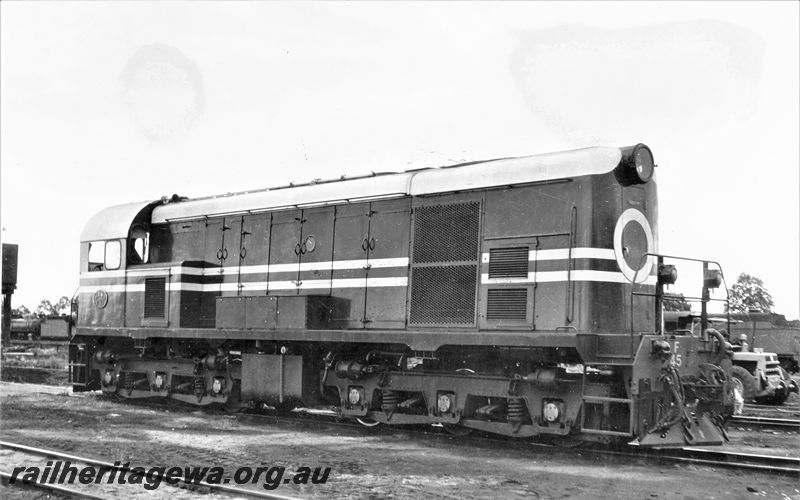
x=712, y=278
x=667, y=274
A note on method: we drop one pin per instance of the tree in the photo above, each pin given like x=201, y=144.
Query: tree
x=676, y=302
x=749, y=293
x=20, y=312
x=47, y=308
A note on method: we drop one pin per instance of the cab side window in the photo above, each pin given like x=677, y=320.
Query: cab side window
x=97, y=251
x=113, y=255
x=104, y=255
x=139, y=241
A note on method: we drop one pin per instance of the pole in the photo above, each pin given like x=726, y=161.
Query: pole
x=6, y=333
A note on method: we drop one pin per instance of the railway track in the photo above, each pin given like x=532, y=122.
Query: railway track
x=327, y=419
x=50, y=488
x=770, y=464
x=53, y=370
x=791, y=409
x=784, y=424
x=75, y=491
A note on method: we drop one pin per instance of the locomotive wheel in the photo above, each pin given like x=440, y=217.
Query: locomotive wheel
x=743, y=382
x=367, y=422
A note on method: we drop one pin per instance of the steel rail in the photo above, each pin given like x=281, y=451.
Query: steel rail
x=53, y=370
x=769, y=422
x=48, y=487
x=752, y=461
x=99, y=463
x=771, y=464
x=785, y=406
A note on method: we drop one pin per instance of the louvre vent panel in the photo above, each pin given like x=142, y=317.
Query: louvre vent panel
x=508, y=262
x=509, y=304
x=154, y=297
x=446, y=233
x=443, y=295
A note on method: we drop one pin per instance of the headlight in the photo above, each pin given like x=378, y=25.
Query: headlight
x=637, y=165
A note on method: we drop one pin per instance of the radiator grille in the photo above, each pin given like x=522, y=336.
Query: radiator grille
x=443, y=295
x=507, y=303
x=154, y=296
x=508, y=262
x=444, y=264
x=446, y=233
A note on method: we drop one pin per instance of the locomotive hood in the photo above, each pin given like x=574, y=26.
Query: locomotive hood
x=461, y=177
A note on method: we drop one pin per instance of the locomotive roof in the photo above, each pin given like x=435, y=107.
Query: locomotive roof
x=113, y=222
x=462, y=177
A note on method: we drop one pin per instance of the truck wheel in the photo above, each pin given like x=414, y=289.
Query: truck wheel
x=780, y=397
x=777, y=399
x=743, y=382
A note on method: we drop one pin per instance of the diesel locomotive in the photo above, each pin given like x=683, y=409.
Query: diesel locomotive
x=517, y=296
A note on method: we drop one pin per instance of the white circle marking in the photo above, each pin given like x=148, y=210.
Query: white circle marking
x=633, y=215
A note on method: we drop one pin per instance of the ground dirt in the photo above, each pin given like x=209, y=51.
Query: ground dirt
x=364, y=463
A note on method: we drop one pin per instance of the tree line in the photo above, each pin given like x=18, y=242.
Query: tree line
x=45, y=308
x=747, y=295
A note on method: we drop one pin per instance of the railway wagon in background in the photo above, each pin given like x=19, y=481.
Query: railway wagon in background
x=518, y=296
x=26, y=328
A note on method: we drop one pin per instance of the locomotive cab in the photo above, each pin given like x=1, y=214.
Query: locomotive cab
x=112, y=241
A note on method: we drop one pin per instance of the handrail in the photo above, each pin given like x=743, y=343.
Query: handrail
x=676, y=257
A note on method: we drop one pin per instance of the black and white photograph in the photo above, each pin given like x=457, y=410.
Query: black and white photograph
x=402, y=250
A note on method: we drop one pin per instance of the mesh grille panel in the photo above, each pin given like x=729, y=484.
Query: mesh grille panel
x=508, y=262
x=154, y=296
x=443, y=295
x=507, y=303
x=444, y=266
x=446, y=233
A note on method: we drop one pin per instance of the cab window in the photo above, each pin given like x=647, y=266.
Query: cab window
x=104, y=255
x=97, y=251
x=139, y=242
x=113, y=255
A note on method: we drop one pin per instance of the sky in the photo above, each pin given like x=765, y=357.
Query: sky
x=103, y=103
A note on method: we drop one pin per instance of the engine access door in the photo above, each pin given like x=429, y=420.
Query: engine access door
x=284, y=252
x=387, y=263
x=349, y=273
x=316, y=251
